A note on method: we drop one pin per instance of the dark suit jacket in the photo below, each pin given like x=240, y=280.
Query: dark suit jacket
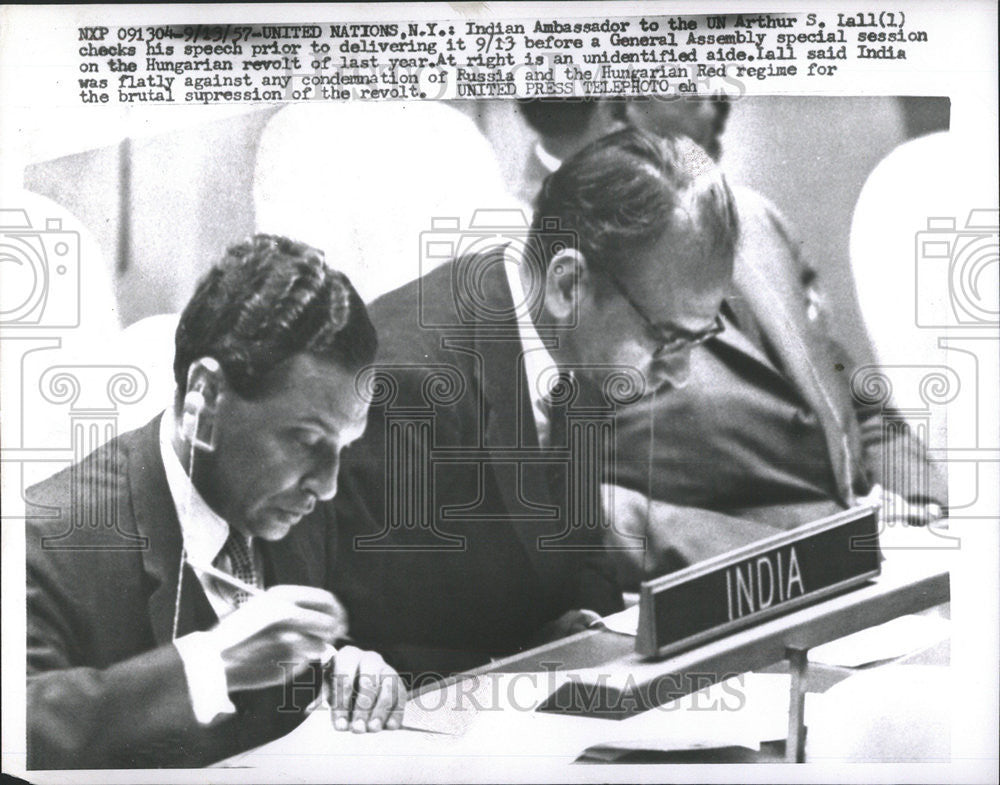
x=767, y=434
x=105, y=686
x=448, y=498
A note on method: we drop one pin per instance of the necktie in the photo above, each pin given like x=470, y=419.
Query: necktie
x=554, y=405
x=236, y=559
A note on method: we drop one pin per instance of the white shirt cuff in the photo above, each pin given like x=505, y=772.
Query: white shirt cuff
x=206, y=677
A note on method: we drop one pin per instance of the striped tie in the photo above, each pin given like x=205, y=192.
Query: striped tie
x=236, y=559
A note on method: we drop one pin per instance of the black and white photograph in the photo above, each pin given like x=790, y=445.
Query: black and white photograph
x=527, y=392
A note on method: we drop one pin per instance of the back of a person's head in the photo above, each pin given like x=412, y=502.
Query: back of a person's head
x=561, y=118
x=557, y=117
x=266, y=301
x=621, y=193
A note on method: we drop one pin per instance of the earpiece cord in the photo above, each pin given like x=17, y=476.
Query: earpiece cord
x=649, y=483
x=187, y=507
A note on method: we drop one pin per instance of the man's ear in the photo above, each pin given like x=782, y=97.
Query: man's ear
x=564, y=277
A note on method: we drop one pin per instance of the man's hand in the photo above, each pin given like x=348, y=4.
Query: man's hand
x=653, y=537
x=365, y=693
x=569, y=623
x=894, y=510
x=275, y=636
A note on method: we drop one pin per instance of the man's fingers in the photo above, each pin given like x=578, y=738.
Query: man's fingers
x=588, y=617
x=302, y=647
x=342, y=681
x=310, y=622
x=365, y=693
x=276, y=610
x=384, y=701
x=573, y=621
x=369, y=679
x=395, y=720
x=310, y=597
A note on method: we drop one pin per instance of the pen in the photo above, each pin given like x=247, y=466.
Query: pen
x=225, y=577
x=236, y=583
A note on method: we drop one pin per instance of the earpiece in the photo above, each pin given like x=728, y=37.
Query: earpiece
x=199, y=401
x=194, y=405
x=194, y=402
x=198, y=428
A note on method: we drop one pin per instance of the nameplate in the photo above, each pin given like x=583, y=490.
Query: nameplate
x=749, y=585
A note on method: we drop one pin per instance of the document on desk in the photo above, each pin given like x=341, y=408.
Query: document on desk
x=888, y=641
x=452, y=708
x=742, y=711
x=625, y=622
x=498, y=719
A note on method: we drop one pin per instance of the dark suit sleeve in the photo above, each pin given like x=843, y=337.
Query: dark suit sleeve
x=598, y=589
x=913, y=475
x=89, y=710
x=672, y=536
x=133, y=713
x=916, y=478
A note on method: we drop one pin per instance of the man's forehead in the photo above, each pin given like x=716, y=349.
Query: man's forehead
x=678, y=285
x=678, y=256
x=321, y=388
x=305, y=368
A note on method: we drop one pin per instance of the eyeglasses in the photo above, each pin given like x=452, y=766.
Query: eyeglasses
x=669, y=339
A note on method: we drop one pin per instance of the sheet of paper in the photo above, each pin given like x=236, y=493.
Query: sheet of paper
x=625, y=622
x=887, y=714
x=498, y=718
x=895, y=638
x=316, y=736
x=741, y=712
x=452, y=709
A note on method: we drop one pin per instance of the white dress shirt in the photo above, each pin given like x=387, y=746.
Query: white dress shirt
x=548, y=160
x=540, y=370
x=204, y=534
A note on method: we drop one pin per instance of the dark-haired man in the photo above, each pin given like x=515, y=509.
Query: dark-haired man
x=141, y=652
x=565, y=126
x=471, y=496
x=765, y=434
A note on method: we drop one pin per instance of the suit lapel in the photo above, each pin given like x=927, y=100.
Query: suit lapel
x=510, y=422
x=736, y=309
x=156, y=519
x=784, y=328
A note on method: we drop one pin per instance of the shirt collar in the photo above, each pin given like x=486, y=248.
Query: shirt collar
x=540, y=368
x=546, y=158
x=203, y=530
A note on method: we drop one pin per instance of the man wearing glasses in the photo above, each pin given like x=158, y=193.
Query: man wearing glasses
x=761, y=431
x=474, y=517
x=672, y=343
